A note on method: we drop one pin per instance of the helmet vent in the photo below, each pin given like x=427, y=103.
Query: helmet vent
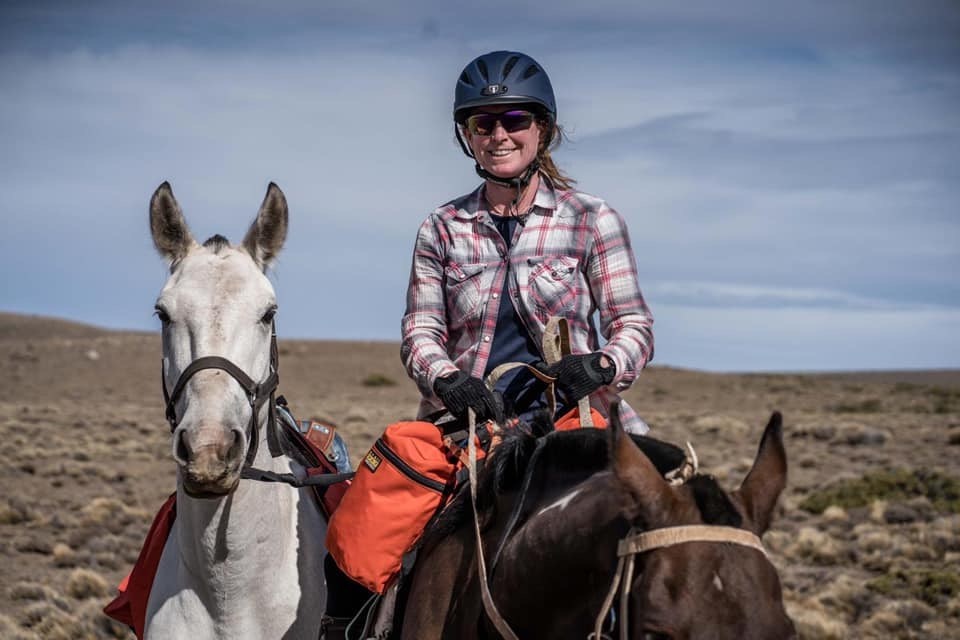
x=482, y=66
x=466, y=79
x=511, y=62
x=531, y=71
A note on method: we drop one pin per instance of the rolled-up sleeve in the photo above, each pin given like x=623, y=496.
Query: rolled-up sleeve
x=625, y=320
x=424, y=324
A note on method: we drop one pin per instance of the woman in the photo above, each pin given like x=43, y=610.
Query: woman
x=491, y=267
x=489, y=270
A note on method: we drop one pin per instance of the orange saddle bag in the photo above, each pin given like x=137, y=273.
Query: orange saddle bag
x=405, y=478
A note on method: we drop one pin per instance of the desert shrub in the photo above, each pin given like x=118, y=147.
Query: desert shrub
x=869, y=405
x=84, y=583
x=110, y=514
x=10, y=630
x=378, y=380
x=15, y=511
x=942, y=490
x=933, y=586
x=944, y=400
x=905, y=387
x=63, y=555
x=29, y=591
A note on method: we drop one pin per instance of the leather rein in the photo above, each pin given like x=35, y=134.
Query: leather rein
x=257, y=393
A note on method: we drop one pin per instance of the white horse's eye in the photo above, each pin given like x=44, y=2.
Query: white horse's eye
x=162, y=314
x=269, y=315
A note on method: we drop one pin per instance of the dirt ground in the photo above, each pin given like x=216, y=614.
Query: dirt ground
x=85, y=462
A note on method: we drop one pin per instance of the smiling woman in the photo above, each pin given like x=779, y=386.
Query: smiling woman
x=493, y=272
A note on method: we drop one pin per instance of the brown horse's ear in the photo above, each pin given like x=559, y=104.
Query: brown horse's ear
x=767, y=478
x=651, y=493
x=269, y=231
x=171, y=236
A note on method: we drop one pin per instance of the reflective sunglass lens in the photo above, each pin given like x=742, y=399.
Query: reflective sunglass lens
x=483, y=124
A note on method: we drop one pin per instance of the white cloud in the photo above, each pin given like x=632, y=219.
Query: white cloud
x=798, y=160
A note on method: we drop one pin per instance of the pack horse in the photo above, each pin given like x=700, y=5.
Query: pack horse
x=244, y=558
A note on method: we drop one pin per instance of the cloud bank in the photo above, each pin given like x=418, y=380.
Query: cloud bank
x=789, y=173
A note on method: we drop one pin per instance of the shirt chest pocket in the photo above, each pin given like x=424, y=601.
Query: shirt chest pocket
x=463, y=288
x=554, y=284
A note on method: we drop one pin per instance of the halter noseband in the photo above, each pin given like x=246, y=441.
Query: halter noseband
x=257, y=395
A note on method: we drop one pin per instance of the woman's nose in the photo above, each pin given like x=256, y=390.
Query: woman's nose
x=498, y=133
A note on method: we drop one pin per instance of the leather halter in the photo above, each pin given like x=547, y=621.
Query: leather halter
x=636, y=543
x=257, y=395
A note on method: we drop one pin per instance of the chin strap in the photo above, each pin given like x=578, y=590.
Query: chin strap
x=519, y=182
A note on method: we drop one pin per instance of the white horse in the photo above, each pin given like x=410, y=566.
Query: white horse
x=245, y=558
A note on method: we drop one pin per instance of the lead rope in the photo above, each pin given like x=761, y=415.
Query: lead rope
x=608, y=603
x=488, y=604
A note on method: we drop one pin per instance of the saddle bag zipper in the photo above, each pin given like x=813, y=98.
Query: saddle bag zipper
x=406, y=469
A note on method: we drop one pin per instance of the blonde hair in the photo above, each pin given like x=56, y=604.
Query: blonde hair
x=551, y=139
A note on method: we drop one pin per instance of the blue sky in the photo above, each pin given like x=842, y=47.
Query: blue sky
x=790, y=171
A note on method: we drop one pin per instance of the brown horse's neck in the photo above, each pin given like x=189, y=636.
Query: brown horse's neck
x=564, y=547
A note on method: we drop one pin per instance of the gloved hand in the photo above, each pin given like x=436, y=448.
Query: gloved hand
x=579, y=375
x=459, y=391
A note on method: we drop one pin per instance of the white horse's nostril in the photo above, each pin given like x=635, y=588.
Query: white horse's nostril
x=235, y=451
x=181, y=449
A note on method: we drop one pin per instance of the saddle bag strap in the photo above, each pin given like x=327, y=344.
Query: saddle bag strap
x=488, y=604
x=556, y=344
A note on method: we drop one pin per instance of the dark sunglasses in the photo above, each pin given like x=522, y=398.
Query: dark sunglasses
x=483, y=124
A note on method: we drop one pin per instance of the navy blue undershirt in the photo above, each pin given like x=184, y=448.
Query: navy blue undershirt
x=512, y=343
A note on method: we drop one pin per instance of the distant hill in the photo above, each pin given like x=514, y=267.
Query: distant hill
x=24, y=327
x=16, y=326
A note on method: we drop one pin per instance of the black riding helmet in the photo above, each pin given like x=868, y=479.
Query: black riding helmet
x=503, y=77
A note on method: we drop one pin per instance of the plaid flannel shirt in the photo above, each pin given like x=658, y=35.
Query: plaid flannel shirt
x=570, y=257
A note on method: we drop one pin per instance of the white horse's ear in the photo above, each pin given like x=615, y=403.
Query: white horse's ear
x=269, y=231
x=171, y=236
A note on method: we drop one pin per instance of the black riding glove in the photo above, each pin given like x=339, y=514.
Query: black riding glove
x=459, y=392
x=579, y=375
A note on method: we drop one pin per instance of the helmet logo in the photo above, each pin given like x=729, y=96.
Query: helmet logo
x=493, y=90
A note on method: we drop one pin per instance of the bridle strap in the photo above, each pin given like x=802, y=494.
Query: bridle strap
x=257, y=395
x=668, y=536
x=198, y=365
x=636, y=543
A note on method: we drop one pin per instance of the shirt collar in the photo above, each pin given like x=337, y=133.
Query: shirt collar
x=544, y=199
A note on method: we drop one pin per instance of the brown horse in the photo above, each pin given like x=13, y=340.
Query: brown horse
x=553, y=511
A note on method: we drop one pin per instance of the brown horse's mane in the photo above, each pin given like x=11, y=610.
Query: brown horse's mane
x=569, y=456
